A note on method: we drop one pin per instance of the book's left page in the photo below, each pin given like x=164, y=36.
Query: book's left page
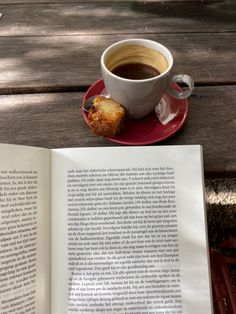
x=24, y=230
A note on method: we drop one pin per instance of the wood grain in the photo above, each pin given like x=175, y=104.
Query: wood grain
x=99, y=1
x=56, y=46
x=32, y=64
x=132, y=17
x=55, y=120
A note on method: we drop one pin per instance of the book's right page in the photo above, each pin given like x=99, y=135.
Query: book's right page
x=129, y=231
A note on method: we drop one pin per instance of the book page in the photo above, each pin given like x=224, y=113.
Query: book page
x=129, y=231
x=24, y=230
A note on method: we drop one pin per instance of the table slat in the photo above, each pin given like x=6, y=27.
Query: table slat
x=95, y=1
x=117, y=17
x=55, y=120
x=33, y=64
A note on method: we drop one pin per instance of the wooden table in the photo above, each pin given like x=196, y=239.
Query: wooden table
x=50, y=53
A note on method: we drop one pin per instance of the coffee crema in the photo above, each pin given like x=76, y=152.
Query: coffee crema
x=135, y=71
x=126, y=55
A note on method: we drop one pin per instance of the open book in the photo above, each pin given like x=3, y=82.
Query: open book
x=103, y=230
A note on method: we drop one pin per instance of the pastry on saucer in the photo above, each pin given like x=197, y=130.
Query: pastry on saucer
x=106, y=117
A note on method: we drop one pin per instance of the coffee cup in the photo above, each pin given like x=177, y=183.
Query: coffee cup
x=136, y=74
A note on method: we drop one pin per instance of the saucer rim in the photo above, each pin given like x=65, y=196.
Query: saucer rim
x=141, y=142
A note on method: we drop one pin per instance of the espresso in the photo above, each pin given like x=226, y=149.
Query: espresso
x=135, y=71
x=136, y=62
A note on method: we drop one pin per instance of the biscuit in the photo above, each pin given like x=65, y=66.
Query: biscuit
x=106, y=117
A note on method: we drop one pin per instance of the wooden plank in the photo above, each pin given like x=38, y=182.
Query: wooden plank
x=117, y=17
x=32, y=64
x=99, y=1
x=55, y=120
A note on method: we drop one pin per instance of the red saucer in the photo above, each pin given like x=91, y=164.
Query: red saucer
x=147, y=130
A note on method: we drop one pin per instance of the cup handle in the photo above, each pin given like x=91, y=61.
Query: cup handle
x=181, y=78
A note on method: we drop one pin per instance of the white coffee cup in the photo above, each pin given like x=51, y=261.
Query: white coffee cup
x=140, y=96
